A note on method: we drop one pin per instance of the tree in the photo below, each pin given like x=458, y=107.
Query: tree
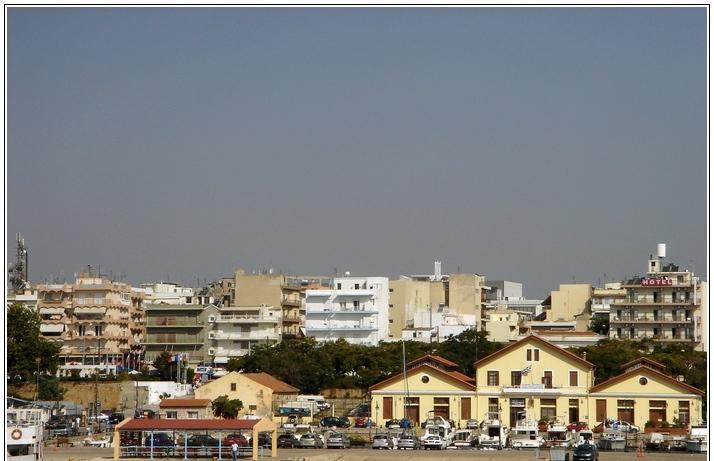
x=25, y=345
x=600, y=324
x=50, y=389
x=466, y=348
x=226, y=408
x=609, y=355
x=163, y=366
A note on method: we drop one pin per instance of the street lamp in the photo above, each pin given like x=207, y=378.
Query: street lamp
x=37, y=379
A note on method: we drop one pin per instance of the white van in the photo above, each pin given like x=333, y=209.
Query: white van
x=320, y=403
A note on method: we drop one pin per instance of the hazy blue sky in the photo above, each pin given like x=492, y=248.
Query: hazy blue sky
x=534, y=145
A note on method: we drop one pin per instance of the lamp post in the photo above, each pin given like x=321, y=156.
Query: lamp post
x=37, y=379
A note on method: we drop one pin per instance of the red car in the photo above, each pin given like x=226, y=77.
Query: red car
x=239, y=439
x=577, y=427
x=361, y=422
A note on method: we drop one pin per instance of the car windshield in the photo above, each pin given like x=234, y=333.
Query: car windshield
x=584, y=448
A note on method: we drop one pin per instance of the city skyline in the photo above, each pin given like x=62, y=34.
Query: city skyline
x=539, y=145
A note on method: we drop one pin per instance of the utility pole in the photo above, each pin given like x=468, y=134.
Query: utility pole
x=37, y=380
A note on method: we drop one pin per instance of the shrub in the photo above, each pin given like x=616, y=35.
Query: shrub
x=650, y=423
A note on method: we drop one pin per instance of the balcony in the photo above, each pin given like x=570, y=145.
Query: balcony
x=649, y=300
x=240, y=336
x=337, y=310
x=291, y=302
x=532, y=389
x=360, y=328
x=173, y=322
x=600, y=308
x=647, y=319
x=246, y=318
x=178, y=339
x=354, y=293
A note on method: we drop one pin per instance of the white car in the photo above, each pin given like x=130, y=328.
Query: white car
x=433, y=442
x=624, y=426
x=471, y=424
x=100, y=417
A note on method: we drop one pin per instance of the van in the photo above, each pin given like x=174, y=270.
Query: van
x=320, y=403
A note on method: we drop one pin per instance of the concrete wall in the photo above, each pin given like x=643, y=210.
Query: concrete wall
x=465, y=295
x=257, y=289
x=569, y=301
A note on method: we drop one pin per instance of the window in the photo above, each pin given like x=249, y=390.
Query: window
x=573, y=410
x=233, y=386
x=529, y=355
x=441, y=407
x=626, y=410
x=548, y=379
x=98, y=330
x=493, y=378
x=548, y=409
x=192, y=415
x=465, y=408
x=536, y=355
x=493, y=405
x=387, y=407
x=515, y=378
x=252, y=408
x=171, y=414
x=391, y=320
x=356, y=286
x=355, y=304
x=82, y=330
x=683, y=412
x=658, y=411
x=573, y=375
x=339, y=286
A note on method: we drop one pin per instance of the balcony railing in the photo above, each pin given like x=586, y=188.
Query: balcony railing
x=666, y=301
x=337, y=310
x=650, y=319
x=246, y=318
x=253, y=335
x=173, y=322
x=341, y=328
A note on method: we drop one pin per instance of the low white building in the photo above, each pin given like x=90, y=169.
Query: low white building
x=353, y=308
x=437, y=326
x=167, y=293
x=233, y=331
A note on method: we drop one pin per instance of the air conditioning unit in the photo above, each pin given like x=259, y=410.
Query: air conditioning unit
x=211, y=318
x=211, y=335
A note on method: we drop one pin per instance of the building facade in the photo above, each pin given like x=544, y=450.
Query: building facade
x=92, y=319
x=233, y=331
x=354, y=308
x=665, y=305
x=185, y=409
x=271, y=289
x=177, y=330
x=167, y=293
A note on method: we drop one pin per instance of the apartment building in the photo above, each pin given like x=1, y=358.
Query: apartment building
x=604, y=298
x=176, y=329
x=509, y=295
x=354, y=308
x=233, y=331
x=665, y=305
x=269, y=289
x=167, y=293
x=92, y=319
x=571, y=302
x=434, y=327
x=25, y=296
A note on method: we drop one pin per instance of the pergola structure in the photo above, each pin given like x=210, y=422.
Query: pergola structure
x=185, y=428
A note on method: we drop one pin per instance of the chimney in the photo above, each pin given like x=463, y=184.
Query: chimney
x=680, y=378
x=584, y=355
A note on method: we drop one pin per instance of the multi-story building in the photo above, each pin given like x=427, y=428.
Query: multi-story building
x=92, y=319
x=355, y=308
x=604, y=298
x=434, y=327
x=509, y=295
x=571, y=302
x=167, y=293
x=271, y=289
x=233, y=331
x=178, y=330
x=26, y=296
x=665, y=305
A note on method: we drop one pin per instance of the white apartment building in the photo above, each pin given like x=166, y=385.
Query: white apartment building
x=233, y=331
x=666, y=305
x=354, y=308
x=431, y=326
x=167, y=293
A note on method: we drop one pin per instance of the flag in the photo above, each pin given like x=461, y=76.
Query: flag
x=526, y=370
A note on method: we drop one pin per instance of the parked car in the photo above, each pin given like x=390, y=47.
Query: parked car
x=239, y=439
x=433, y=442
x=471, y=424
x=381, y=441
x=577, y=426
x=311, y=441
x=624, y=426
x=264, y=439
x=361, y=421
x=360, y=410
x=335, y=421
x=585, y=452
x=408, y=441
x=202, y=440
x=288, y=441
x=116, y=418
x=62, y=430
x=160, y=441
x=338, y=440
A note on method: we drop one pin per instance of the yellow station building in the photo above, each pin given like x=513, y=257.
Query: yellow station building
x=536, y=379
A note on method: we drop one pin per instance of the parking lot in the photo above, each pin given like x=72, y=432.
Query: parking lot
x=366, y=454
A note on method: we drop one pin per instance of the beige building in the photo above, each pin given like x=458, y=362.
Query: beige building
x=501, y=325
x=93, y=319
x=185, y=409
x=272, y=290
x=571, y=302
x=433, y=387
x=260, y=393
x=642, y=393
x=179, y=329
x=233, y=331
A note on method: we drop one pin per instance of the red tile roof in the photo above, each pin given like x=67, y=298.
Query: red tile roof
x=454, y=375
x=278, y=387
x=186, y=424
x=645, y=361
x=184, y=403
x=427, y=358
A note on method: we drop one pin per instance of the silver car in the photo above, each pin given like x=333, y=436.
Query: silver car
x=381, y=441
x=408, y=441
x=337, y=440
x=311, y=441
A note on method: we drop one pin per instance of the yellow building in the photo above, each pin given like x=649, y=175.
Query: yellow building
x=644, y=393
x=533, y=378
x=433, y=386
x=185, y=409
x=260, y=393
x=571, y=302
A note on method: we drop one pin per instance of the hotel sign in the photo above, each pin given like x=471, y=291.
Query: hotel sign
x=657, y=282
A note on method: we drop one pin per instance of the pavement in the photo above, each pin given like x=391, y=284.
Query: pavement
x=366, y=454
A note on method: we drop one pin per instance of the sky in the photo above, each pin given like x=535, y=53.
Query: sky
x=537, y=145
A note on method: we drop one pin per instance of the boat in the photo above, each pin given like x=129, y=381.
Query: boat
x=23, y=437
x=525, y=434
x=558, y=435
x=697, y=440
x=437, y=425
x=585, y=437
x=612, y=440
x=494, y=435
x=461, y=438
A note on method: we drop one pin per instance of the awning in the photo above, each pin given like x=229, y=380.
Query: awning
x=51, y=311
x=220, y=360
x=89, y=310
x=51, y=327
